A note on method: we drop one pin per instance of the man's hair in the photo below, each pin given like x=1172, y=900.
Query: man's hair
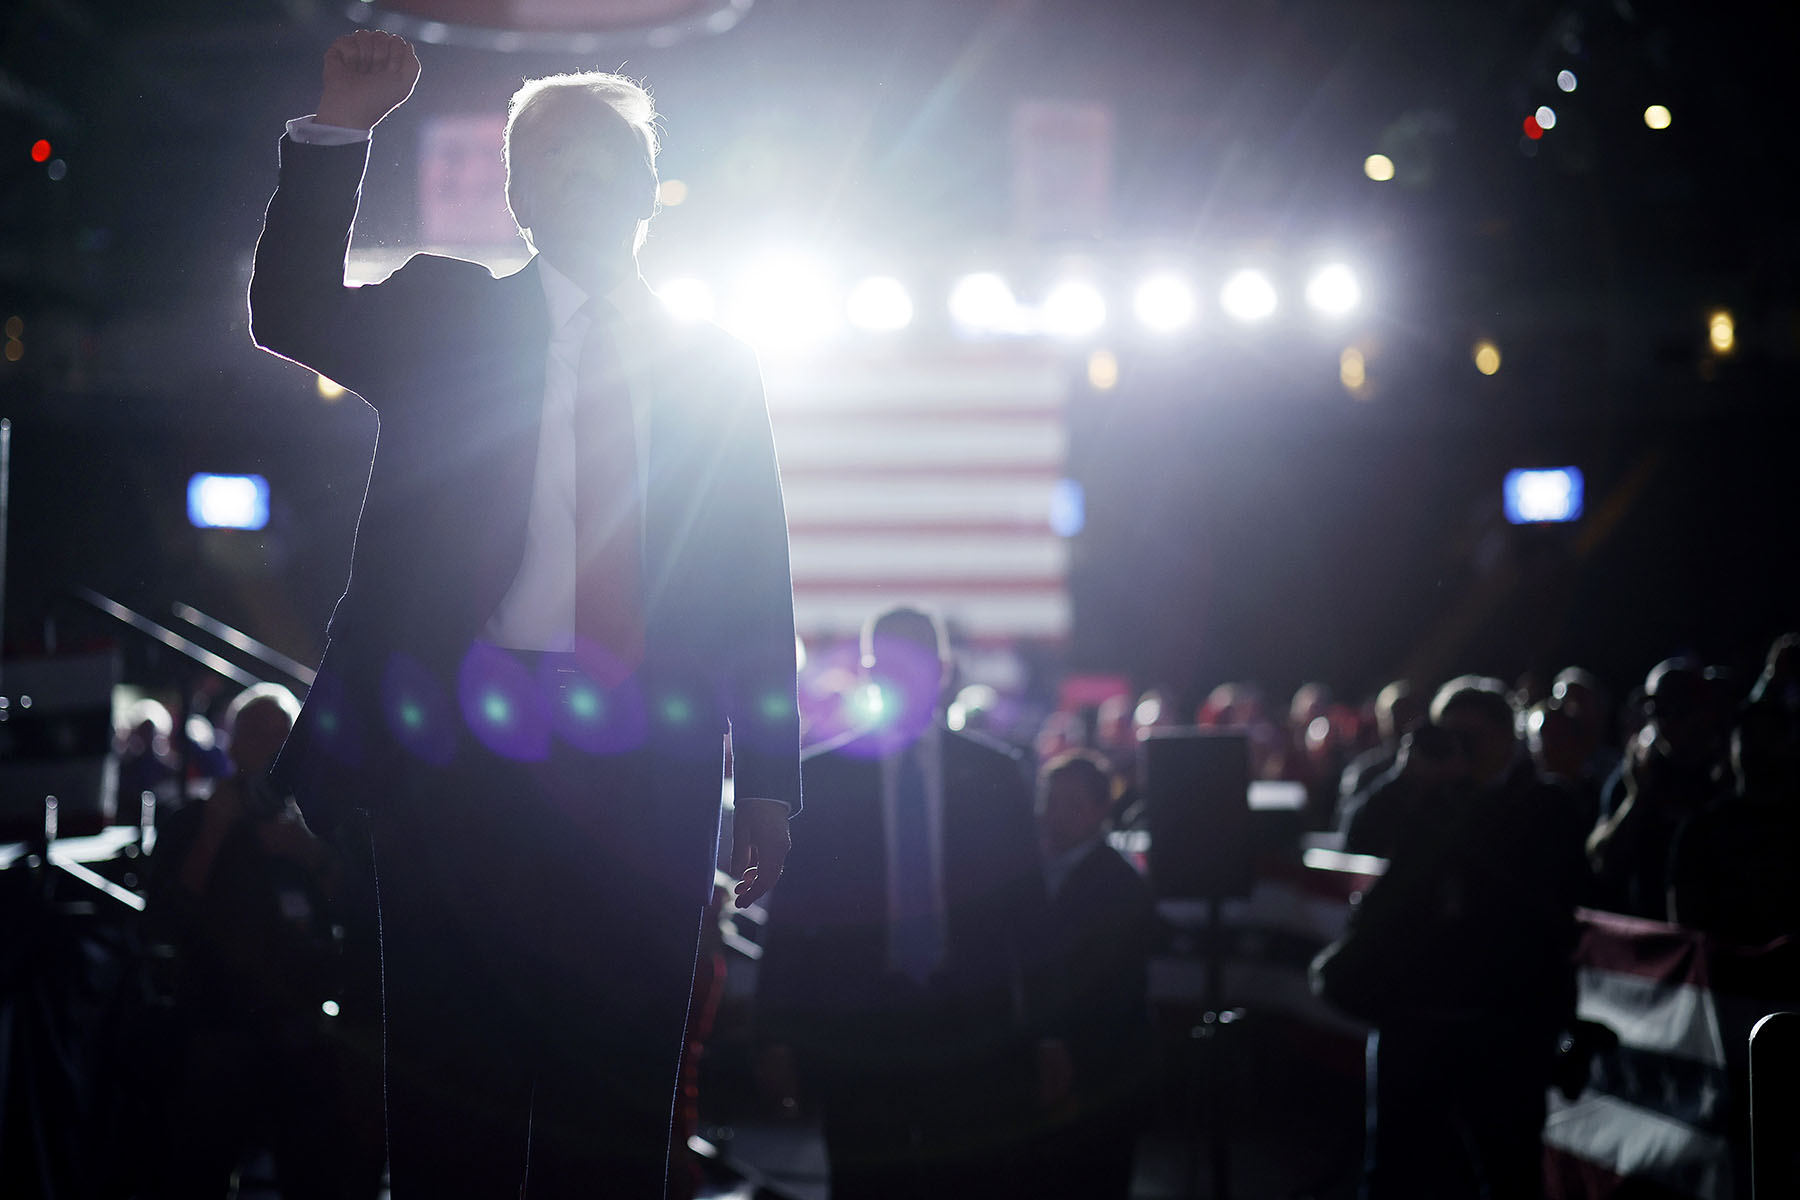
x=915, y=623
x=262, y=693
x=544, y=109
x=1083, y=765
x=1479, y=694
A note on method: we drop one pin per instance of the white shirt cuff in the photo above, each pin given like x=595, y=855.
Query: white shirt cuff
x=309, y=132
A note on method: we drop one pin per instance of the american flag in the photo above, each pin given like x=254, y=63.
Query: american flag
x=925, y=478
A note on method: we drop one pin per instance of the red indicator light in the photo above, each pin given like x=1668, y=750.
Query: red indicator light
x=40, y=151
x=1533, y=130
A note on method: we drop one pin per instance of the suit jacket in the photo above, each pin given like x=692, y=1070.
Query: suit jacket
x=453, y=360
x=1102, y=923
x=824, y=984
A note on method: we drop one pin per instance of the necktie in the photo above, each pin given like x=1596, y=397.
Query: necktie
x=916, y=938
x=609, y=603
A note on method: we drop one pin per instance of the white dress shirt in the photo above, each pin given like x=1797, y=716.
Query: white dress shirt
x=930, y=750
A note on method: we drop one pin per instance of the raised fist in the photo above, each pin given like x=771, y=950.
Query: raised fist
x=368, y=74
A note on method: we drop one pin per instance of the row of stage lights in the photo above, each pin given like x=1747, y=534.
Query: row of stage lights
x=789, y=303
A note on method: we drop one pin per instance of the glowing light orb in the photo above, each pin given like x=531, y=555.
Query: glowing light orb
x=1352, y=370
x=1546, y=116
x=785, y=304
x=1073, y=310
x=1378, y=167
x=688, y=298
x=983, y=303
x=1164, y=303
x=1333, y=290
x=1486, y=356
x=1657, y=117
x=1103, y=370
x=1721, y=331
x=1248, y=296
x=1565, y=80
x=880, y=304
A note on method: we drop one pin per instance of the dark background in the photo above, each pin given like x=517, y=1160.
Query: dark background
x=1246, y=516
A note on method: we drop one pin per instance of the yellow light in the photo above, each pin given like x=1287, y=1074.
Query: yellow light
x=1487, y=357
x=1657, y=117
x=671, y=192
x=15, y=327
x=1353, y=370
x=1378, y=167
x=1721, y=331
x=330, y=390
x=1103, y=370
x=15, y=350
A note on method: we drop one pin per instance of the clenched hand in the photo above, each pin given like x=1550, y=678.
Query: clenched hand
x=368, y=74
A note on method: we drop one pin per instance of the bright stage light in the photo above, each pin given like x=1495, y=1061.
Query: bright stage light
x=1103, y=370
x=1534, y=497
x=1333, y=290
x=1248, y=296
x=1353, y=370
x=1378, y=167
x=1565, y=80
x=228, y=501
x=687, y=298
x=880, y=304
x=1486, y=356
x=983, y=303
x=1721, y=331
x=330, y=390
x=1546, y=116
x=1164, y=303
x=1657, y=117
x=1073, y=310
x=785, y=305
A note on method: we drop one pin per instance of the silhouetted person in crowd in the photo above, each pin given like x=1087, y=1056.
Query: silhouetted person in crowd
x=1558, y=745
x=1666, y=777
x=1584, y=698
x=1398, y=711
x=571, y=582
x=1460, y=957
x=907, y=980
x=1733, y=869
x=147, y=761
x=241, y=893
x=1101, y=923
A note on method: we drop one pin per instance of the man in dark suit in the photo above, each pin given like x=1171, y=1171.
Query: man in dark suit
x=906, y=979
x=570, y=584
x=1102, y=921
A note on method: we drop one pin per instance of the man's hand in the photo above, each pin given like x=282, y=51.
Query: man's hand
x=759, y=846
x=368, y=74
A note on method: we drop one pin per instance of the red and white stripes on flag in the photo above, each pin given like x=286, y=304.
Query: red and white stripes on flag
x=925, y=479
x=1666, y=1113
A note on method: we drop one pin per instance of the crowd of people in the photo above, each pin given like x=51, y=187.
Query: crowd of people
x=955, y=968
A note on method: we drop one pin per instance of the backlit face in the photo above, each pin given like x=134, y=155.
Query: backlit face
x=1070, y=812
x=582, y=196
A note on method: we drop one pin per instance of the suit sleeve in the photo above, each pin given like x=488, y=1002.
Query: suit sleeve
x=300, y=307
x=763, y=691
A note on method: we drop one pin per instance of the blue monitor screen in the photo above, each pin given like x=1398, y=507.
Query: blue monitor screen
x=228, y=501
x=1537, y=497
